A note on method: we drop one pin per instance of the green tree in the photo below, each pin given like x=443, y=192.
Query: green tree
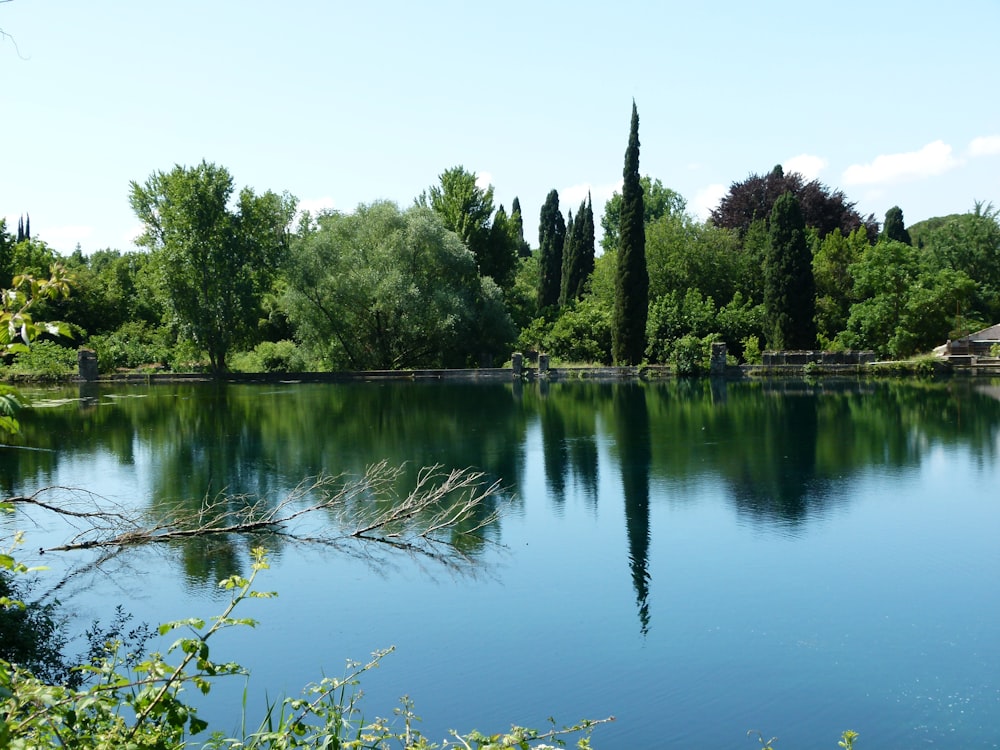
x=832, y=264
x=968, y=243
x=894, y=228
x=789, y=287
x=517, y=225
x=905, y=306
x=551, y=238
x=467, y=210
x=632, y=278
x=387, y=289
x=578, y=254
x=657, y=201
x=215, y=261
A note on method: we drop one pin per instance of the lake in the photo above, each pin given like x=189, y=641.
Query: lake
x=696, y=558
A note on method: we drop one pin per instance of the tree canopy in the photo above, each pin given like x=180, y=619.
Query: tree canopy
x=822, y=209
x=385, y=289
x=214, y=261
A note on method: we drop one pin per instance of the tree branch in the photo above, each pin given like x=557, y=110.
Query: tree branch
x=440, y=515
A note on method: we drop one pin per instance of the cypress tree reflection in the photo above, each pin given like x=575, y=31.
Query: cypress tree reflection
x=635, y=454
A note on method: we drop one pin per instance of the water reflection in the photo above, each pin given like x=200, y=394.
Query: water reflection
x=635, y=459
x=786, y=450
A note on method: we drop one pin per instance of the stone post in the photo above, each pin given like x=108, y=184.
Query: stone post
x=543, y=363
x=517, y=363
x=717, y=363
x=86, y=360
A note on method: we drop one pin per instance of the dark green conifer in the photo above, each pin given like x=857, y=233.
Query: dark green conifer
x=789, y=286
x=551, y=237
x=628, y=331
x=517, y=223
x=894, y=228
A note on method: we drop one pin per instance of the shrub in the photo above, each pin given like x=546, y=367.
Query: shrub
x=135, y=344
x=687, y=356
x=45, y=360
x=270, y=356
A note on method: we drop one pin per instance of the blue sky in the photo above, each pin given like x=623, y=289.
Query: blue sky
x=347, y=103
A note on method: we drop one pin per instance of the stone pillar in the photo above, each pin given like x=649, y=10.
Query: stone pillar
x=517, y=363
x=543, y=363
x=717, y=364
x=86, y=360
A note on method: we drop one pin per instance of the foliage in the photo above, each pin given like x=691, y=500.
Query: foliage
x=43, y=360
x=753, y=200
x=467, y=210
x=905, y=306
x=789, y=287
x=582, y=333
x=689, y=356
x=271, y=356
x=551, y=239
x=894, y=228
x=141, y=703
x=387, y=289
x=751, y=350
x=628, y=330
x=831, y=265
x=214, y=262
x=135, y=344
x=657, y=202
x=578, y=255
x=31, y=635
x=970, y=244
x=682, y=254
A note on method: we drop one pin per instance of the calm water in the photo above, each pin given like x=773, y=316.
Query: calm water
x=696, y=560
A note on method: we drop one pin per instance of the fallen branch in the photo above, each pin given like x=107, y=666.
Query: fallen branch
x=443, y=512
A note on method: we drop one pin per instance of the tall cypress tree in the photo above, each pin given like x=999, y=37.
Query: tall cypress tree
x=628, y=331
x=569, y=251
x=551, y=237
x=587, y=249
x=27, y=227
x=20, y=228
x=789, y=285
x=517, y=222
x=578, y=254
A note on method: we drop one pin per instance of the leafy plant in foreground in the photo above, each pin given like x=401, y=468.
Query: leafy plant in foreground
x=143, y=705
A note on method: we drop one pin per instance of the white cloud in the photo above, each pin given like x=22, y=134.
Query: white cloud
x=933, y=159
x=569, y=198
x=985, y=146
x=706, y=199
x=807, y=165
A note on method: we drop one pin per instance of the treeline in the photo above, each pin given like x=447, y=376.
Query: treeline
x=240, y=281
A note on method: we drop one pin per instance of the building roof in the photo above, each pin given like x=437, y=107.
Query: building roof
x=987, y=334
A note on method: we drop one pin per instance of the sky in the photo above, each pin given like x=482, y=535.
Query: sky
x=347, y=103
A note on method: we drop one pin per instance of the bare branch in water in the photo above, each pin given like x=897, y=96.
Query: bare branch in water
x=441, y=515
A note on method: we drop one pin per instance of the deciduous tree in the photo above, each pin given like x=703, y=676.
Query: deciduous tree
x=657, y=201
x=215, y=259
x=822, y=209
x=387, y=289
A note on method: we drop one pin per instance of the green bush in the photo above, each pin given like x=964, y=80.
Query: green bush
x=270, y=356
x=46, y=360
x=132, y=346
x=688, y=356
